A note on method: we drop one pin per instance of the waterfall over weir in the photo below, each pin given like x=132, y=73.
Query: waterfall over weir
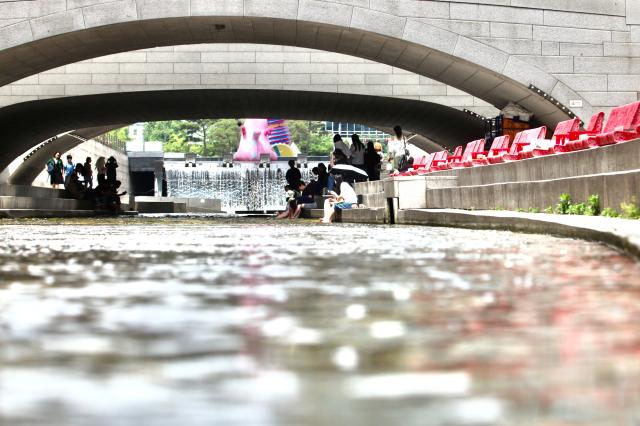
x=244, y=187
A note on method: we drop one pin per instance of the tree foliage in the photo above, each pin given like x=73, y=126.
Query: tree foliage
x=310, y=137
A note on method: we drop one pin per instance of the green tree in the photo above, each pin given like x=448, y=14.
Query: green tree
x=310, y=137
x=163, y=131
x=121, y=134
x=224, y=136
x=198, y=131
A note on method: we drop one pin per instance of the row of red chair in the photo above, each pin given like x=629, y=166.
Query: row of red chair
x=623, y=125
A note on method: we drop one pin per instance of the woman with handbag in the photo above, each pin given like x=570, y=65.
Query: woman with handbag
x=397, y=147
x=54, y=168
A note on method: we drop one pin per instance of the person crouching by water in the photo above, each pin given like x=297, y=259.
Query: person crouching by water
x=291, y=203
x=306, y=200
x=345, y=200
x=54, y=168
x=107, y=197
x=75, y=186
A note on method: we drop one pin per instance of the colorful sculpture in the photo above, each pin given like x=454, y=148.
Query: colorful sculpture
x=254, y=141
x=278, y=132
x=265, y=136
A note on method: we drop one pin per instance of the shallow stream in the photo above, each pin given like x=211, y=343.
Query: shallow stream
x=230, y=321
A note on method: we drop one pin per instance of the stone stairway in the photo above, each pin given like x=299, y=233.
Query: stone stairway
x=370, y=194
x=31, y=201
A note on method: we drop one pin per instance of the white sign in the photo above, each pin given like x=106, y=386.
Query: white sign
x=575, y=103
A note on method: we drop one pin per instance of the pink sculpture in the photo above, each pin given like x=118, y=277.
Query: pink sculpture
x=254, y=141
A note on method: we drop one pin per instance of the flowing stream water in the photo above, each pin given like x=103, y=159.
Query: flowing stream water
x=230, y=321
x=244, y=187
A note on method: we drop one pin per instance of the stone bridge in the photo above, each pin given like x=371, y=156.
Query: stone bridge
x=583, y=54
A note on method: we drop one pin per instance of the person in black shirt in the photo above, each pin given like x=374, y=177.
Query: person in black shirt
x=293, y=175
x=323, y=176
x=306, y=200
x=372, y=162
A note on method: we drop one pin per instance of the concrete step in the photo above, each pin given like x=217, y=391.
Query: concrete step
x=613, y=189
x=32, y=191
x=191, y=205
x=375, y=200
x=160, y=207
x=45, y=213
x=372, y=187
x=11, y=202
x=351, y=215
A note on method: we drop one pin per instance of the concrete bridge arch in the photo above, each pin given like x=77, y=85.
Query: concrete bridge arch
x=55, y=35
x=60, y=115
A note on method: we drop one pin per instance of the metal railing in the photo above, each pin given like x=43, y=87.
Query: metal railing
x=112, y=141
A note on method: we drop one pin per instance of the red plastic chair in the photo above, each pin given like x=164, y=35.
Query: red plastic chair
x=427, y=165
x=520, y=149
x=499, y=147
x=455, y=156
x=438, y=160
x=467, y=155
x=575, y=143
x=560, y=136
x=419, y=162
x=623, y=125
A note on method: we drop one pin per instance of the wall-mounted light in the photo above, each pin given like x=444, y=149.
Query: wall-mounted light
x=476, y=115
x=553, y=100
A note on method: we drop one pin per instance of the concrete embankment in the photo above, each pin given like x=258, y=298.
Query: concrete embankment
x=473, y=197
x=621, y=233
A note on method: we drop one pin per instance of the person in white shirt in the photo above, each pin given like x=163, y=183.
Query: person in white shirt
x=396, y=147
x=347, y=199
x=357, y=152
x=338, y=144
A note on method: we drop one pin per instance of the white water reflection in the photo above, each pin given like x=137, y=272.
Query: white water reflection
x=257, y=322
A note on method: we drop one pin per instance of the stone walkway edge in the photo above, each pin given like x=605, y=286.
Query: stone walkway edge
x=623, y=234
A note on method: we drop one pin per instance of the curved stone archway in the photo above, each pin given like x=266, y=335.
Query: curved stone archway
x=80, y=33
x=448, y=126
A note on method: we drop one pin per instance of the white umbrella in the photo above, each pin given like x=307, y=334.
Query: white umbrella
x=349, y=172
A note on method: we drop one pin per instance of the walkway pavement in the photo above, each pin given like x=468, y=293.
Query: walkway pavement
x=622, y=233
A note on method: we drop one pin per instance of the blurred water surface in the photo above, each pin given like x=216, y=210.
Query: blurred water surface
x=228, y=321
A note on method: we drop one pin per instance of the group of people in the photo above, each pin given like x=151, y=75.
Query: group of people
x=367, y=158
x=370, y=158
x=339, y=194
x=301, y=195
x=77, y=179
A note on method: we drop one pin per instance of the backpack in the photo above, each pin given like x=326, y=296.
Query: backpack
x=403, y=162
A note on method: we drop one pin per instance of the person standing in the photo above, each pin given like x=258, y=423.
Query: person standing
x=69, y=168
x=101, y=170
x=111, y=167
x=293, y=175
x=372, y=162
x=339, y=145
x=357, y=152
x=396, y=147
x=54, y=168
x=88, y=173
